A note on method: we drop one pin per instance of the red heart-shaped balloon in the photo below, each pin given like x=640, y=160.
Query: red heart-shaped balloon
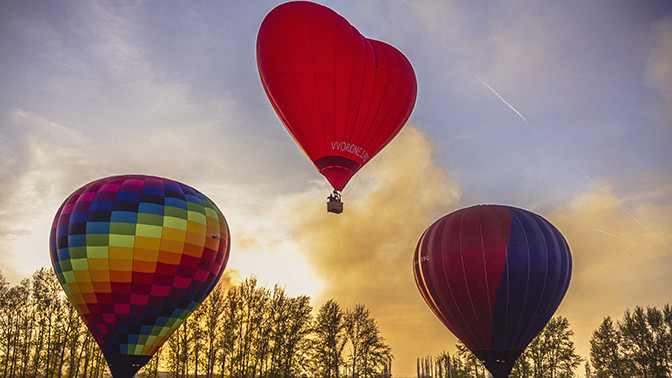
x=342, y=96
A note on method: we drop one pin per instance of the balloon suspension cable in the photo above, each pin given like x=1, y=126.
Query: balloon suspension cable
x=335, y=205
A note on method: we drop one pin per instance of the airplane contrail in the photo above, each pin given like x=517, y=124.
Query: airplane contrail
x=500, y=97
x=614, y=236
x=627, y=212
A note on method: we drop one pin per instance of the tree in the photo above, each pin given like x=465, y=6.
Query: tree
x=425, y=367
x=462, y=364
x=448, y=366
x=291, y=332
x=196, y=336
x=552, y=352
x=41, y=333
x=178, y=350
x=151, y=370
x=227, y=341
x=212, y=326
x=606, y=352
x=17, y=317
x=667, y=318
x=329, y=340
x=647, y=341
x=588, y=370
x=472, y=364
x=368, y=352
x=70, y=330
x=249, y=303
x=46, y=298
x=5, y=323
x=245, y=331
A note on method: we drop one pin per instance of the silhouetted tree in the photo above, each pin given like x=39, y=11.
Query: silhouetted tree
x=196, y=339
x=213, y=319
x=292, y=323
x=552, y=352
x=448, y=366
x=41, y=334
x=226, y=343
x=472, y=364
x=18, y=320
x=151, y=370
x=329, y=340
x=588, y=370
x=646, y=341
x=606, y=352
x=244, y=331
x=177, y=350
x=249, y=303
x=425, y=367
x=46, y=297
x=368, y=351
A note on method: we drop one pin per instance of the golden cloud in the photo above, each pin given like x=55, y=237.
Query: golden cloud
x=621, y=250
x=622, y=257
x=365, y=254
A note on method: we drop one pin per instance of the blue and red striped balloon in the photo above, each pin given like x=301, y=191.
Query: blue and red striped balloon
x=494, y=275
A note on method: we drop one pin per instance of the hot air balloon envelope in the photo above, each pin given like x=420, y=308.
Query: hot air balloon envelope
x=136, y=255
x=494, y=275
x=341, y=96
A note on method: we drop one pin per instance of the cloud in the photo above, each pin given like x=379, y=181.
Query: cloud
x=621, y=249
x=229, y=279
x=622, y=257
x=97, y=101
x=43, y=160
x=364, y=254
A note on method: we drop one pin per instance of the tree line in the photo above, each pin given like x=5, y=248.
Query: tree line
x=253, y=331
x=41, y=334
x=244, y=330
x=638, y=345
x=550, y=354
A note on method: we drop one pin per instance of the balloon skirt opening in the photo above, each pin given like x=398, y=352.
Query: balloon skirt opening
x=498, y=362
x=337, y=169
x=125, y=365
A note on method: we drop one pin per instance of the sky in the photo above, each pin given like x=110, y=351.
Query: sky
x=561, y=108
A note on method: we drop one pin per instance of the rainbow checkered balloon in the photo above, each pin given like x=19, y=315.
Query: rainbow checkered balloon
x=136, y=255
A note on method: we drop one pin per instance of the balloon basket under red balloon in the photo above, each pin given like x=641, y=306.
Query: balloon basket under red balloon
x=334, y=204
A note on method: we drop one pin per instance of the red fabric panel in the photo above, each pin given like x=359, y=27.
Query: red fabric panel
x=337, y=92
x=458, y=266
